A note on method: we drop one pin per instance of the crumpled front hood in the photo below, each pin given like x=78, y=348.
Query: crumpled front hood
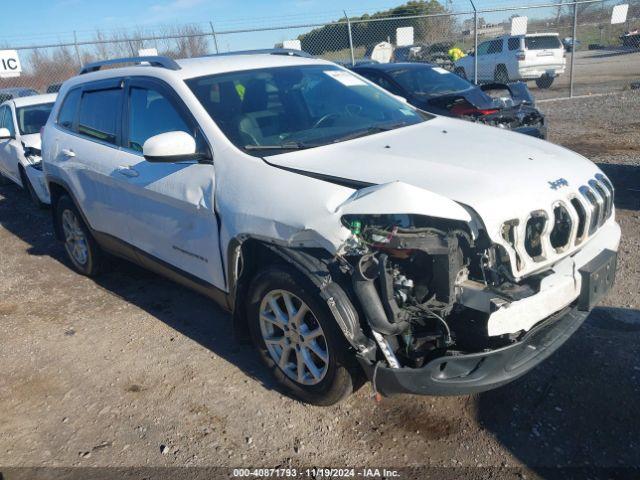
x=32, y=140
x=500, y=174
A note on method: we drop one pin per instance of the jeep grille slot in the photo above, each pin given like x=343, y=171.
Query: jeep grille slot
x=561, y=233
x=533, y=236
x=594, y=207
x=582, y=219
x=607, y=190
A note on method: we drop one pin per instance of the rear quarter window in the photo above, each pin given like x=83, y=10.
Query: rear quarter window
x=542, y=43
x=69, y=108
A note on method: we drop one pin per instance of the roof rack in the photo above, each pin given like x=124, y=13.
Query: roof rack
x=156, y=61
x=266, y=51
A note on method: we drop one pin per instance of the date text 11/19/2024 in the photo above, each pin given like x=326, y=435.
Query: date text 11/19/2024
x=316, y=472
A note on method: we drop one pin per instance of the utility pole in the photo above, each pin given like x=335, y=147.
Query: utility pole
x=475, y=43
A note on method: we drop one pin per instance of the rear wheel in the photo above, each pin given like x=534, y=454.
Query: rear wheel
x=544, y=81
x=26, y=184
x=81, y=248
x=297, y=337
x=501, y=75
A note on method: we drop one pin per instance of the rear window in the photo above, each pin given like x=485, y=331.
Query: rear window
x=542, y=43
x=514, y=43
x=98, y=117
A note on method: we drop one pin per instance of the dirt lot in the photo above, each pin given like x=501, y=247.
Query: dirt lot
x=132, y=370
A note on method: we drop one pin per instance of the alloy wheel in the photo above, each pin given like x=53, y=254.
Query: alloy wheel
x=75, y=239
x=294, y=338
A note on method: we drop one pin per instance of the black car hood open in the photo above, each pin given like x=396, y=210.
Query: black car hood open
x=518, y=94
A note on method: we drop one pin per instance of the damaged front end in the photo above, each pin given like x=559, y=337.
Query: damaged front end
x=507, y=106
x=426, y=288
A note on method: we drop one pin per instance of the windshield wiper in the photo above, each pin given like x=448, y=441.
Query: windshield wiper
x=282, y=146
x=369, y=131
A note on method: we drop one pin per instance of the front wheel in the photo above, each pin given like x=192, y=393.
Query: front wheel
x=544, y=81
x=297, y=337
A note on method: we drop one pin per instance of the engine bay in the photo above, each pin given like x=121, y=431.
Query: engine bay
x=426, y=287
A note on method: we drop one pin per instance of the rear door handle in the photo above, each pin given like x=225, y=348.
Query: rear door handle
x=67, y=152
x=127, y=171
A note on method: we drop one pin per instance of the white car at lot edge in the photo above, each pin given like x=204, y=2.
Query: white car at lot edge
x=534, y=56
x=350, y=234
x=21, y=120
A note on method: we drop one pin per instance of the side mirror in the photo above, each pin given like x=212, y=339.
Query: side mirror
x=5, y=134
x=170, y=147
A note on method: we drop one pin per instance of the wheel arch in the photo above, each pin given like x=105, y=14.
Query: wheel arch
x=58, y=189
x=248, y=256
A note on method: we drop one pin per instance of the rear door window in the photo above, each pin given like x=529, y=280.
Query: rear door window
x=542, y=42
x=69, y=109
x=99, y=114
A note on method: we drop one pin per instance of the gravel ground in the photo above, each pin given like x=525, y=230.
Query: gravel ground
x=132, y=370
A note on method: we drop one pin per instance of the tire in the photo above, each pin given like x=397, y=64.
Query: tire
x=544, y=81
x=319, y=382
x=26, y=184
x=83, y=251
x=460, y=71
x=501, y=75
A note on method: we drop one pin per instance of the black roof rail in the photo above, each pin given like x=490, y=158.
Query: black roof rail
x=156, y=61
x=266, y=51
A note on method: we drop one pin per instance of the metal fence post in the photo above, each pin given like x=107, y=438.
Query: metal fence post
x=475, y=43
x=215, y=38
x=573, y=46
x=353, y=58
x=75, y=44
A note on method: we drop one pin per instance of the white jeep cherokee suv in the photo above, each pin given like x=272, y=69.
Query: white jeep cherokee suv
x=349, y=233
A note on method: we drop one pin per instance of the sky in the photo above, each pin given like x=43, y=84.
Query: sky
x=51, y=21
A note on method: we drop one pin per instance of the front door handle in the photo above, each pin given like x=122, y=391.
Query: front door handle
x=127, y=171
x=67, y=152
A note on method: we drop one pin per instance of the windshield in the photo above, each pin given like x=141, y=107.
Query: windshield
x=296, y=107
x=429, y=81
x=32, y=118
x=542, y=43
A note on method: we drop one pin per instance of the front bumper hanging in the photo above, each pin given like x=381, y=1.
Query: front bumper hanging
x=478, y=372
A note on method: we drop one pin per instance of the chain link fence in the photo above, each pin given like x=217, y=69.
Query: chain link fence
x=596, y=57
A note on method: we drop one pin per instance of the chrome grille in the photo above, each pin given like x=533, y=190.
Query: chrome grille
x=574, y=219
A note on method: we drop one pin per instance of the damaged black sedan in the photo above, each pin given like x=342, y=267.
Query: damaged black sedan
x=436, y=90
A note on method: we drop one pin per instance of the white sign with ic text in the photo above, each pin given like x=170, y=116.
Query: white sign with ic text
x=9, y=64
